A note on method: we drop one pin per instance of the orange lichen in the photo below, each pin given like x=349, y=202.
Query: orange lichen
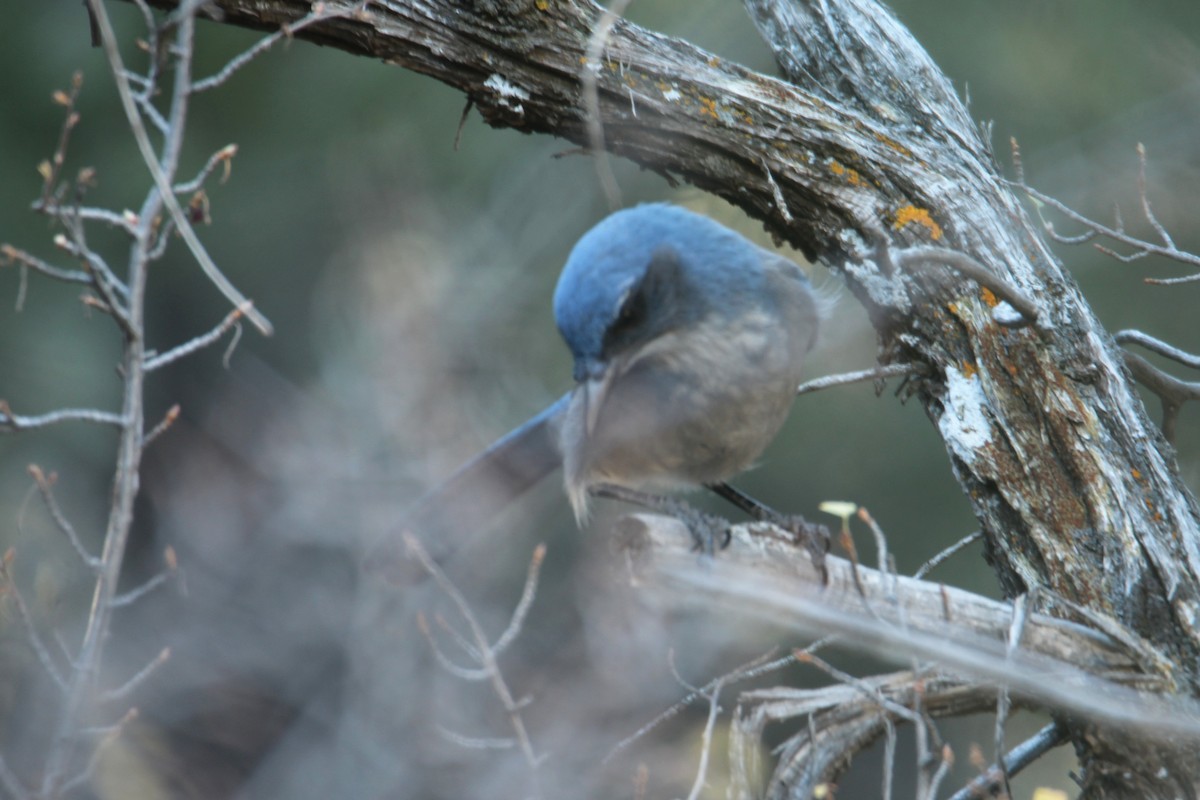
x=989, y=297
x=920, y=216
x=851, y=175
x=969, y=369
x=892, y=143
x=708, y=106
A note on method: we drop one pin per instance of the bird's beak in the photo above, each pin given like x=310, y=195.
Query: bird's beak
x=595, y=389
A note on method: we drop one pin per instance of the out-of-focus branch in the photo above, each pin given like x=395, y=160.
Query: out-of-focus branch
x=1059, y=665
x=660, y=552
x=1171, y=391
x=877, y=374
x=73, y=751
x=159, y=171
x=1016, y=760
x=1140, y=247
x=10, y=422
x=484, y=651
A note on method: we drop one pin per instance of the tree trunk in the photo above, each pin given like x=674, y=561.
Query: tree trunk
x=863, y=151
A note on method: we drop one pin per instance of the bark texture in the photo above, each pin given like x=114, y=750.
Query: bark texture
x=866, y=149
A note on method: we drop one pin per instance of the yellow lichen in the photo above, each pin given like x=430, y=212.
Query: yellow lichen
x=851, y=175
x=920, y=216
x=708, y=106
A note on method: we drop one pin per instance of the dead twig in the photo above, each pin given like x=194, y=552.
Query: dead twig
x=484, y=650
x=589, y=75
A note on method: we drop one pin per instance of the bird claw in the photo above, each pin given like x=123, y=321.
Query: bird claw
x=812, y=536
x=705, y=529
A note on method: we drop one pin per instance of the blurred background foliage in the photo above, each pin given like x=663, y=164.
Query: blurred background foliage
x=410, y=287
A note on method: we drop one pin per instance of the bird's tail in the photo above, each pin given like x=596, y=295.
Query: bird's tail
x=448, y=515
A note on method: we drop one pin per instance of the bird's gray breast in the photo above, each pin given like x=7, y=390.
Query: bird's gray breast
x=695, y=406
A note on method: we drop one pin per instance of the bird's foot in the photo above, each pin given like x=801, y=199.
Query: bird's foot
x=706, y=529
x=812, y=536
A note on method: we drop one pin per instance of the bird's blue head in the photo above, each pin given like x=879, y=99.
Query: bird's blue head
x=644, y=271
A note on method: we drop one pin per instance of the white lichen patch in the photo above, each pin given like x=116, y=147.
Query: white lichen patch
x=964, y=422
x=671, y=95
x=510, y=95
x=889, y=292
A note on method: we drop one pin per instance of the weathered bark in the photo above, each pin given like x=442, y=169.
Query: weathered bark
x=868, y=149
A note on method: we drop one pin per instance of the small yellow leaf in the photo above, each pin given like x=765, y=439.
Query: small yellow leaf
x=1042, y=793
x=839, y=508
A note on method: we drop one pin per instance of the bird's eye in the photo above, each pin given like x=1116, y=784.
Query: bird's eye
x=626, y=312
x=631, y=310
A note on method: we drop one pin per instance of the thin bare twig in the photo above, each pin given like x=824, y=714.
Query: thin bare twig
x=517, y=623
x=163, y=425
x=320, y=11
x=759, y=666
x=1171, y=391
x=133, y=595
x=1140, y=247
x=45, y=486
x=10, y=422
x=52, y=169
x=31, y=632
x=913, y=716
x=126, y=689
x=476, y=742
x=64, y=748
x=486, y=655
x=777, y=194
x=110, y=735
x=861, y=376
x=1147, y=211
x=203, y=340
x=157, y=172
x=889, y=755
x=463, y=673
x=466, y=646
x=946, y=762
x=965, y=264
x=1158, y=346
x=945, y=554
x=91, y=214
x=589, y=76
x=223, y=157
x=1020, y=757
x=13, y=255
x=101, y=278
x=714, y=708
x=1020, y=607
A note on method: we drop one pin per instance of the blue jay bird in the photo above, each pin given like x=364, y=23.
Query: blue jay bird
x=688, y=341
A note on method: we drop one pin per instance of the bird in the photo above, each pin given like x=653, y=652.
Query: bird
x=687, y=341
